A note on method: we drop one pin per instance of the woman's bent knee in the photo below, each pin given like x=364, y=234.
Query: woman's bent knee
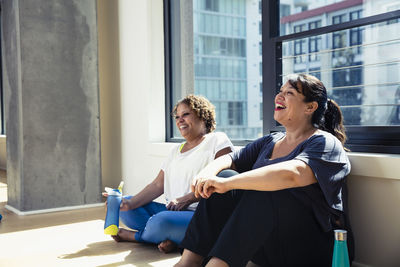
x=227, y=173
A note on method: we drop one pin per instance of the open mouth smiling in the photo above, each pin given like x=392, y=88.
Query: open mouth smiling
x=279, y=106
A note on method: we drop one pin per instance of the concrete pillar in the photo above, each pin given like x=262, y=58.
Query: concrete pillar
x=50, y=78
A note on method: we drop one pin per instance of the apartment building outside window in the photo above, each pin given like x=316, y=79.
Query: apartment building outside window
x=351, y=45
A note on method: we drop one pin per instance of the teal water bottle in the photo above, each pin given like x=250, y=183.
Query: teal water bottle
x=340, y=252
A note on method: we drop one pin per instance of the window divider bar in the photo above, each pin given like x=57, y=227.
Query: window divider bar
x=168, y=70
x=270, y=72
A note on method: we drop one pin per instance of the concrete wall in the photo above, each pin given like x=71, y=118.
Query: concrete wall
x=51, y=100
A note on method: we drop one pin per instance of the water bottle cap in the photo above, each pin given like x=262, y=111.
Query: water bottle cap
x=114, y=192
x=340, y=235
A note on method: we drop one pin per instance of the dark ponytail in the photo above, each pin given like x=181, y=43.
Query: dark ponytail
x=333, y=121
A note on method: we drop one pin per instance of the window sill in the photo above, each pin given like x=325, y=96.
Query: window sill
x=375, y=165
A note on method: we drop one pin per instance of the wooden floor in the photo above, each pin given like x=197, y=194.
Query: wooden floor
x=68, y=238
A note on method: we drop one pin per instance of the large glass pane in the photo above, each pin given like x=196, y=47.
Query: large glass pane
x=360, y=68
x=227, y=57
x=293, y=12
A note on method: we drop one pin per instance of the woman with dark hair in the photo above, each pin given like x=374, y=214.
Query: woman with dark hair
x=285, y=195
x=165, y=224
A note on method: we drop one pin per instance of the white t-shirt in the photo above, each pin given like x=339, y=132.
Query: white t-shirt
x=180, y=168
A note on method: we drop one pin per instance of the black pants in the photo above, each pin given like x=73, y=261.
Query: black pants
x=269, y=228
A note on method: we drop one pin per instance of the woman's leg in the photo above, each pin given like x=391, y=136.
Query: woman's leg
x=204, y=228
x=278, y=223
x=270, y=223
x=137, y=219
x=251, y=223
x=167, y=225
x=299, y=239
x=207, y=222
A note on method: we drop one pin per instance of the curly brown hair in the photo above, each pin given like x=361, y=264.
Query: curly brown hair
x=202, y=107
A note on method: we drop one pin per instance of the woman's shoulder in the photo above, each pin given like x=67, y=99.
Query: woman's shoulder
x=176, y=148
x=322, y=135
x=325, y=139
x=217, y=135
x=219, y=140
x=265, y=141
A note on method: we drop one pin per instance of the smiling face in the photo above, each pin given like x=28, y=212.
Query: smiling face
x=189, y=125
x=290, y=108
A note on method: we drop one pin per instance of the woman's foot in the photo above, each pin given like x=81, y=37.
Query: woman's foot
x=189, y=259
x=124, y=236
x=167, y=246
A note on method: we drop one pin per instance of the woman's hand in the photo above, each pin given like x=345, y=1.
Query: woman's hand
x=177, y=205
x=125, y=204
x=204, y=187
x=181, y=203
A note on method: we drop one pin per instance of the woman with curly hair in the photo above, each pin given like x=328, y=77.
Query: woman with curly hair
x=165, y=224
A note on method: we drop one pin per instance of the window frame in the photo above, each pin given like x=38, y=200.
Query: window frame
x=168, y=73
x=372, y=139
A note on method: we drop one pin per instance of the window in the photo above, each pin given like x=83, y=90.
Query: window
x=291, y=11
x=299, y=45
x=235, y=113
x=352, y=46
x=314, y=43
x=338, y=38
x=223, y=32
x=211, y=5
x=354, y=51
x=356, y=33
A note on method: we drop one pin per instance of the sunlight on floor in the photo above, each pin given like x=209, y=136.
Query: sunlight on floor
x=82, y=244
x=168, y=262
x=68, y=238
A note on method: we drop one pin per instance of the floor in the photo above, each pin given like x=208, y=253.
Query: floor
x=68, y=238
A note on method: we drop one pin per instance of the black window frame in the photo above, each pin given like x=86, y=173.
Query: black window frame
x=371, y=139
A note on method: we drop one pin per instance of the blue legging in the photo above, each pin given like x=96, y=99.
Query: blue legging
x=154, y=223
